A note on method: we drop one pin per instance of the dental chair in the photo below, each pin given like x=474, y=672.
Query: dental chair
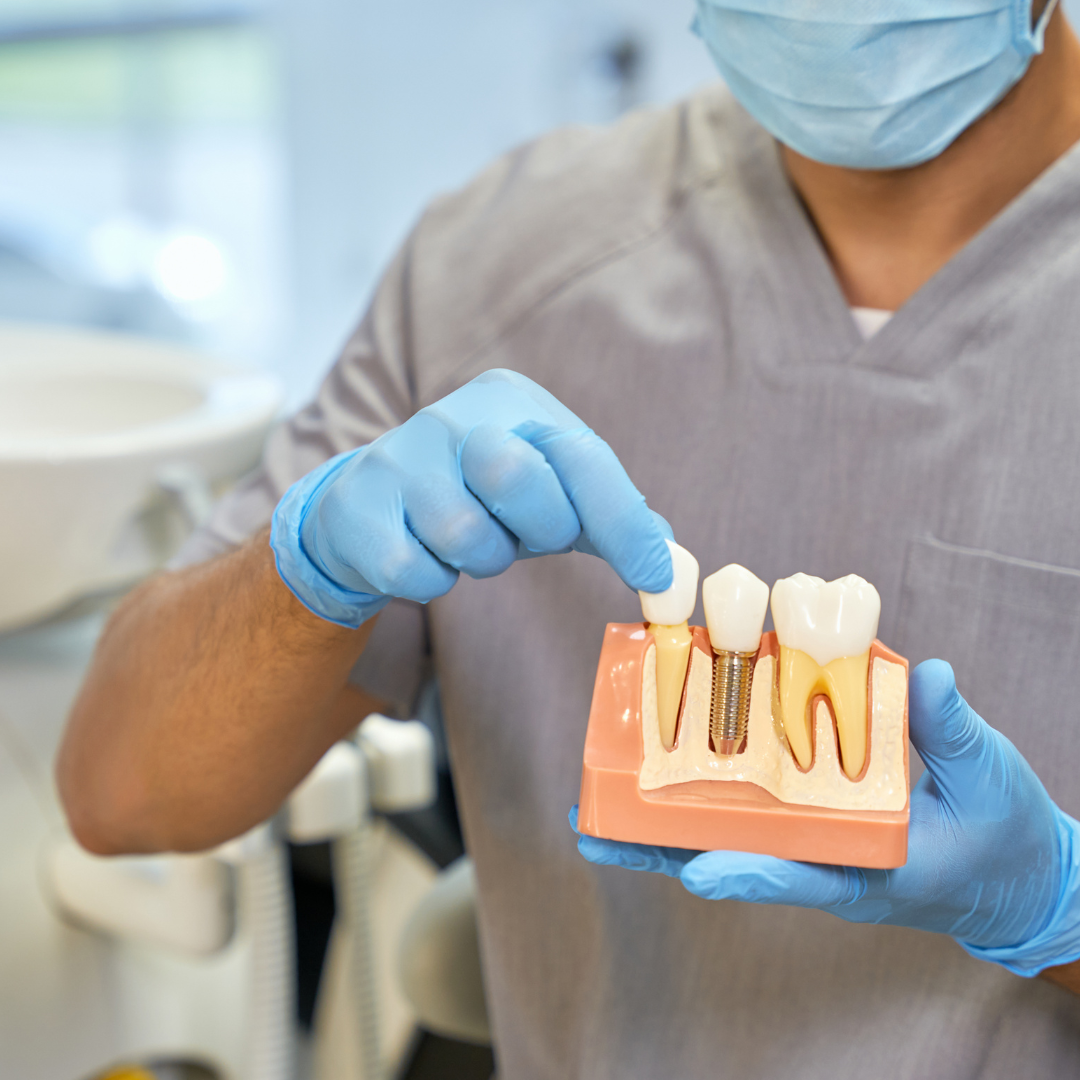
x=182, y=964
x=439, y=959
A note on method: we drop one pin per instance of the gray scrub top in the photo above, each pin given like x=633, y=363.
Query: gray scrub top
x=661, y=279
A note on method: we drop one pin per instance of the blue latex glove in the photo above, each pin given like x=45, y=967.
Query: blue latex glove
x=496, y=471
x=992, y=860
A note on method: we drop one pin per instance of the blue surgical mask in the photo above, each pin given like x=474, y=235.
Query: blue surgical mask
x=870, y=84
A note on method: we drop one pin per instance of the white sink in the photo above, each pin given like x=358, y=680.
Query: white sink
x=110, y=448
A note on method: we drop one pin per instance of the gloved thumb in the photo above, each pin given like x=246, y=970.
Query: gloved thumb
x=957, y=746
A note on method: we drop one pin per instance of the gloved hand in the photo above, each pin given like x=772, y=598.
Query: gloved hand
x=496, y=471
x=992, y=860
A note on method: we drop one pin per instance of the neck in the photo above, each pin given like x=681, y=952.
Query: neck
x=887, y=233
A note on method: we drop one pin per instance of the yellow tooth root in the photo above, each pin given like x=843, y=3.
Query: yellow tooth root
x=672, y=658
x=844, y=682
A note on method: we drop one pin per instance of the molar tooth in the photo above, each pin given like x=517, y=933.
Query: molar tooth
x=667, y=614
x=825, y=631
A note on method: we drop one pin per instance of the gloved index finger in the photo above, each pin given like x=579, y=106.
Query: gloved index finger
x=615, y=519
x=656, y=860
x=585, y=546
x=517, y=485
x=764, y=879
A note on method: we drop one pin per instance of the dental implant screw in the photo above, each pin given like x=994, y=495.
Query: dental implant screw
x=732, y=677
x=735, y=601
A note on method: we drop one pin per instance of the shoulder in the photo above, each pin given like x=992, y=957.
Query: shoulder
x=547, y=214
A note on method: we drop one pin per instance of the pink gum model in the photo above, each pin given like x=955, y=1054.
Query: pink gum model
x=707, y=815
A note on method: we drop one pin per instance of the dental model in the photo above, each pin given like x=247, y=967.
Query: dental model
x=735, y=602
x=825, y=632
x=791, y=743
x=668, y=614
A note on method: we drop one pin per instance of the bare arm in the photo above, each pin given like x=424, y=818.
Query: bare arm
x=1066, y=976
x=212, y=693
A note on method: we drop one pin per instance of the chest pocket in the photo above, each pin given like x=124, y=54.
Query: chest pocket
x=1011, y=630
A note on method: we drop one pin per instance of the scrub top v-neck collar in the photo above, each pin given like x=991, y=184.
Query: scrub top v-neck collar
x=1002, y=260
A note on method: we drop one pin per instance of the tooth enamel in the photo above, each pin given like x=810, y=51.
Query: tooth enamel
x=675, y=604
x=667, y=614
x=826, y=620
x=825, y=631
x=735, y=603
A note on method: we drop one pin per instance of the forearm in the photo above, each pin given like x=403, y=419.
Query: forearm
x=1066, y=976
x=211, y=694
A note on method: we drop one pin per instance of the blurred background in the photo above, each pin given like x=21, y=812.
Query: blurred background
x=234, y=173
x=196, y=200
x=220, y=182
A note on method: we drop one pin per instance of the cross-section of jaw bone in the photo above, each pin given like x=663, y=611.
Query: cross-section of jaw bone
x=825, y=631
x=667, y=614
x=767, y=762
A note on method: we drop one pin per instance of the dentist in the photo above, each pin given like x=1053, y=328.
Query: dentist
x=826, y=320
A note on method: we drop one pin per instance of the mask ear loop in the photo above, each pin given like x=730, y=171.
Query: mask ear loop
x=1031, y=39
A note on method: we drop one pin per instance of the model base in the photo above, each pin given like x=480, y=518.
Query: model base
x=712, y=814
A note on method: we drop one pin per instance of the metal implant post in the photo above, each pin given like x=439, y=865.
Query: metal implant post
x=732, y=676
x=735, y=602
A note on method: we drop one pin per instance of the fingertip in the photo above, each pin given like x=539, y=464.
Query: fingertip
x=573, y=817
x=933, y=682
x=597, y=851
x=933, y=698
x=942, y=724
x=714, y=875
x=653, y=570
x=662, y=523
x=694, y=875
x=714, y=866
x=765, y=879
